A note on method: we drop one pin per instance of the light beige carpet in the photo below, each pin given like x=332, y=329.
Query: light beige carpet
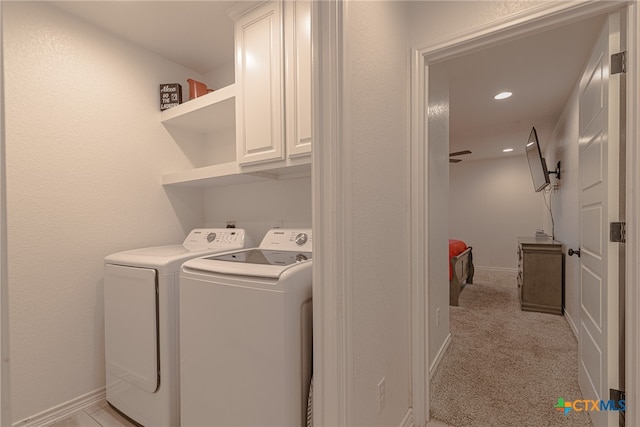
x=505, y=367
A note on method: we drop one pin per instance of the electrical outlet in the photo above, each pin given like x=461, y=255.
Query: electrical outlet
x=278, y=223
x=382, y=394
x=231, y=224
x=438, y=316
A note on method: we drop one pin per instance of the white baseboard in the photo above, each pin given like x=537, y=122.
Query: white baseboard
x=408, y=419
x=571, y=324
x=64, y=410
x=436, y=362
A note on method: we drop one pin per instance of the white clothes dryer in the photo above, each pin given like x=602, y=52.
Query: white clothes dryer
x=141, y=324
x=246, y=334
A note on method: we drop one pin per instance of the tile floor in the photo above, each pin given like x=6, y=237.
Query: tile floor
x=96, y=415
x=103, y=415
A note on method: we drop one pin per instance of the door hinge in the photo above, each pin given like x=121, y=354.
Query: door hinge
x=618, y=232
x=619, y=63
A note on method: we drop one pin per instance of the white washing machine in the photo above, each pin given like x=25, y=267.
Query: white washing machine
x=246, y=334
x=141, y=324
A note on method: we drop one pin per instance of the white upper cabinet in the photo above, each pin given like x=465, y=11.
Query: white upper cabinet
x=273, y=78
x=298, y=77
x=259, y=85
x=260, y=127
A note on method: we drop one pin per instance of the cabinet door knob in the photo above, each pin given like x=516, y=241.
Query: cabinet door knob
x=572, y=252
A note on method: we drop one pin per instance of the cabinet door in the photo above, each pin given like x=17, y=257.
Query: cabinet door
x=259, y=85
x=298, y=76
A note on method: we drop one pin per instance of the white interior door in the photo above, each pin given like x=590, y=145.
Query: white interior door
x=599, y=182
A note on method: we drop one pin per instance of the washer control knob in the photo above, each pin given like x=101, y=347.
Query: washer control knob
x=301, y=239
x=211, y=237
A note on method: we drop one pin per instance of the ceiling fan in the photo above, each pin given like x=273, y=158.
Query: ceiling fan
x=458, y=153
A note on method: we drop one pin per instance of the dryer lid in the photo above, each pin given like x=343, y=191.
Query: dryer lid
x=168, y=259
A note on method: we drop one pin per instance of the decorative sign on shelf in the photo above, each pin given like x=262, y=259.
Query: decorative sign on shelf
x=170, y=95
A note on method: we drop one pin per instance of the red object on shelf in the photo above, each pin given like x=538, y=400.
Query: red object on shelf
x=197, y=89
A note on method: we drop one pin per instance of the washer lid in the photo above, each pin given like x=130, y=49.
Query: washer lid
x=251, y=262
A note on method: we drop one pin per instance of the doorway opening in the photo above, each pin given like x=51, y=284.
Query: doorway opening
x=425, y=63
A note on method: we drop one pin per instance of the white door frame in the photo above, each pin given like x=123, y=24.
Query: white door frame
x=528, y=22
x=5, y=409
x=632, y=342
x=331, y=210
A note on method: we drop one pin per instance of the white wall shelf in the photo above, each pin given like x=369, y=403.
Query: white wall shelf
x=214, y=175
x=264, y=149
x=207, y=113
x=232, y=174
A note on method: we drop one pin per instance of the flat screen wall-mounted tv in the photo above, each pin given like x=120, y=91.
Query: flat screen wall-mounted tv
x=537, y=164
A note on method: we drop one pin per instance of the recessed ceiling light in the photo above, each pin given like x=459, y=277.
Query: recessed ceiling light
x=507, y=150
x=503, y=95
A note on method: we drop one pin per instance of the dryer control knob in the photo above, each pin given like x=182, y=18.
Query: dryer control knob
x=301, y=239
x=211, y=237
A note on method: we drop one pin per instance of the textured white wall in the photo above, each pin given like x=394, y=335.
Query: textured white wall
x=438, y=193
x=85, y=151
x=431, y=21
x=563, y=146
x=376, y=113
x=260, y=206
x=492, y=202
x=5, y=406
x=220, y=77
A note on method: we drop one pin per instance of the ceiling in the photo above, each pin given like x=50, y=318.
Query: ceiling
x=541, y=70
x=164, y=26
